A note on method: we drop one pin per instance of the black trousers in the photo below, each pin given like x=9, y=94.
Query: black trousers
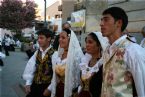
x=1, y=62
x=6, y=50
x=37, y=90
x=12, y=48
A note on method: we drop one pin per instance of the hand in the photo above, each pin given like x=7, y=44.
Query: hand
x=28, y=89
x=47, y=92
x=76, y=94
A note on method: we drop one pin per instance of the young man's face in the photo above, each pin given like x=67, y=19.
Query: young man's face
x=43, y=41
x=108, y=25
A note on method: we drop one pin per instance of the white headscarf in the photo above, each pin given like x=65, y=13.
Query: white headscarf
x=85, y=60
x=103, y=40
x=72, y=72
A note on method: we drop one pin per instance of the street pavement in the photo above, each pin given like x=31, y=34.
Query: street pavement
x=11, y=73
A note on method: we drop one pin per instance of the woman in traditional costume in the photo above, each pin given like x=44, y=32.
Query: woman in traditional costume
x=91, y=65
x=66, y=72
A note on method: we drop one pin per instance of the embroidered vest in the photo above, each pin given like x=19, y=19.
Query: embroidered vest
x=43, y=73
x=117, y=80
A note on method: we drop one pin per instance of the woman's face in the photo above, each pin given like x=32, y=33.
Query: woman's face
x=91, y=45
x=63, y=40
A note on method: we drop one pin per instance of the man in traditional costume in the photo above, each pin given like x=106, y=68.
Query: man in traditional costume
x=38, y=71
x=124, y=61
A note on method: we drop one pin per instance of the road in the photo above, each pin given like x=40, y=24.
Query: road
x=11, y=73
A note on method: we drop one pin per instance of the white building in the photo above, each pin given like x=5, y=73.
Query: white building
x=27, y=32
x=3, y=32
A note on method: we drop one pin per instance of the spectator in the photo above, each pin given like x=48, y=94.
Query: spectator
x=7, y=44
x=2, y=56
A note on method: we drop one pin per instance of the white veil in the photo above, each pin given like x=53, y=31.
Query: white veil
x=103, y=40
x=72, y=71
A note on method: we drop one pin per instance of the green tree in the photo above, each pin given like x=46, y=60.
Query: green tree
x=16, y=15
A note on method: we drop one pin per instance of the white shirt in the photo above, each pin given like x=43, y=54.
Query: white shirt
x=7, y=41
x=12, y=41
x=18, y=43
x=2, y=55
x=134, y=58
x=57, y=61
x=84, y=65
x=143, y=43
x=30, y=67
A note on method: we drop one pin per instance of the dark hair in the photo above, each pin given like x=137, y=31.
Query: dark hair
x=68, y=31
x=95, y=38
x=143, y=31
x=118, y=14
x=56, y=43
x=66, y=23
x=46, y=32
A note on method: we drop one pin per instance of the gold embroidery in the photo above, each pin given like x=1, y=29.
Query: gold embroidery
x=60, y=70
x=43, y=71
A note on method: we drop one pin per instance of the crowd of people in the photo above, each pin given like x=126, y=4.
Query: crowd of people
x=112, y=66
x=7, y=44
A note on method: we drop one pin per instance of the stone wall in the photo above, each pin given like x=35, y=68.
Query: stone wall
x=67, y=9
x=94, y=10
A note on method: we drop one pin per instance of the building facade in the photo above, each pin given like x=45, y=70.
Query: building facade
x=135, y=10
x=52, y=11
x=54, y=16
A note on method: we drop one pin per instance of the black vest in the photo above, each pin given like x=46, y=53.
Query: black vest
x=44, y=72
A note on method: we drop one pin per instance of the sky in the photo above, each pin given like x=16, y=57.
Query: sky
x=41, y=3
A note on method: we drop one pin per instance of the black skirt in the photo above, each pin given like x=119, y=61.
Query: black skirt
x=95, y=85
x=37, y=90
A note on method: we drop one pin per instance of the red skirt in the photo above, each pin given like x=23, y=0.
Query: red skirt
x=60, y=90
x=84, y=94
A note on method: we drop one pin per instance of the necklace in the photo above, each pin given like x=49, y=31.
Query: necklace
x=93, y=62
x=64, y=55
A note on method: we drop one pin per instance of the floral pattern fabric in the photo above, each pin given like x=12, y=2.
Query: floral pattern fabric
x=117, y=80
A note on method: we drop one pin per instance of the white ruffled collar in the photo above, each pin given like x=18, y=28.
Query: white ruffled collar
x=85, y=62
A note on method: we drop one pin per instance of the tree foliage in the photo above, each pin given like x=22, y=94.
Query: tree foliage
x=16, y=15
